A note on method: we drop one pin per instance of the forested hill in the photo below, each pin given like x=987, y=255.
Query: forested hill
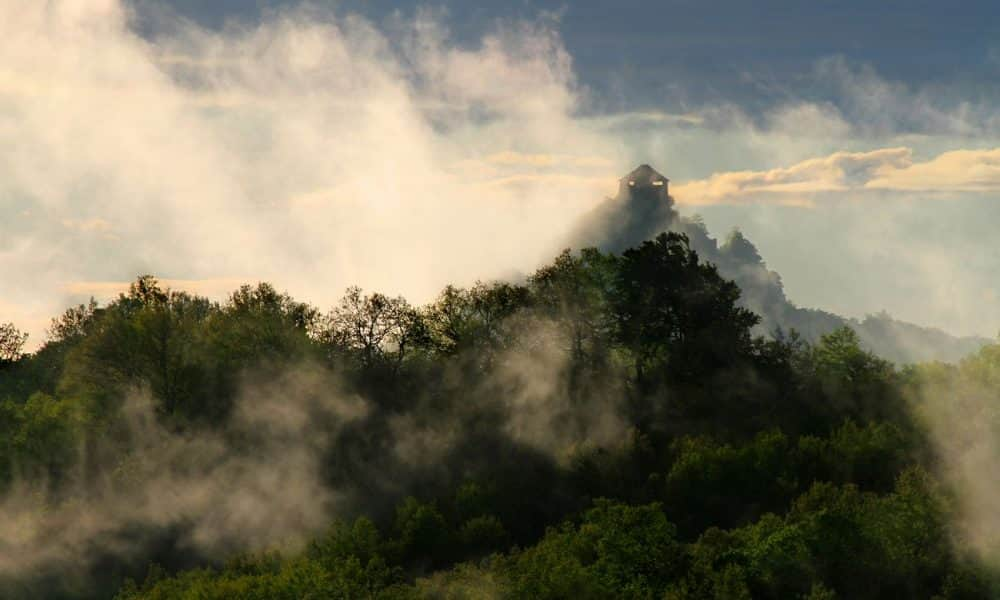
x=609, y=429
x=626, y=221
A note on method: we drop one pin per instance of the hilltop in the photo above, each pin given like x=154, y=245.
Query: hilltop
x=643, y=207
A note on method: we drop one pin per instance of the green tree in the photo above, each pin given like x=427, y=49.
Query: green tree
x=676, y=314
x=148, y=338
x=473, y=320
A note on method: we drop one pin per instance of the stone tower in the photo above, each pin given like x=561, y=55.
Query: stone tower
x=644, y=183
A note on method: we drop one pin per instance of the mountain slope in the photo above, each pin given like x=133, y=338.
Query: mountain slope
x=640, y=211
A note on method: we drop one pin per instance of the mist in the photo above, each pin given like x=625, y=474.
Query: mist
x=314, y=149
x=957, y=405
x=718, y=381
x=319, y=149
x=255, y=484
x=307, y=440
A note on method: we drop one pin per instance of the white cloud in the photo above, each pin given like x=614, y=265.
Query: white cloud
x=795, y=184
x=973, y=171
x=316, y=151
x=312, y=150
x=887, y=169
x=212, y=288
x=509, y=158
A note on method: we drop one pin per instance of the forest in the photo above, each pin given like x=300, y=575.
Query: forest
x=613, y=426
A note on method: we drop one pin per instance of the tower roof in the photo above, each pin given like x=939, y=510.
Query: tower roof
x=644, y=175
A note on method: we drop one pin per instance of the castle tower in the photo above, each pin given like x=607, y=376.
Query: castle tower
x=644, y=182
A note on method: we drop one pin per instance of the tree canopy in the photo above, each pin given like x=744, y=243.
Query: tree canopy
x=611, y=427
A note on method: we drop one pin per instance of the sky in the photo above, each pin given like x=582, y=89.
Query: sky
x=403, y=146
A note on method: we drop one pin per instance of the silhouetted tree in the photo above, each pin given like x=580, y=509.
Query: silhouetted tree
x=381, y=330
x=12, y=342
x=676, y=314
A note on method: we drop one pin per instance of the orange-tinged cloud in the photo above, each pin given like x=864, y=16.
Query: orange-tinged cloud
x=212, y=288
x=955, y=171
x=850, y=173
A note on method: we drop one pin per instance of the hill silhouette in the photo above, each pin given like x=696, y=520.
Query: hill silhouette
x=642, y=208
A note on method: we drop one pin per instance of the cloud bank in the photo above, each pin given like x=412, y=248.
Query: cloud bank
x=888, y=169
x=257, y=483
x=313, y=149
x=317, y=150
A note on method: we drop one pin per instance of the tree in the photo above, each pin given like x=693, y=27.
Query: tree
x=850, y=381
x=740, y=249
x=677, y=316
x=574, y=291
x=146, y=290
x=259, y=324
x=618, y=551
x=12, y=342
x=148, y=337
x=73, y=323
x=382, y=330
x=423, y=533
x=462, y=319
x=264, y=299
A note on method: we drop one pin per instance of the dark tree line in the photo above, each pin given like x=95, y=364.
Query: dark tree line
x=609, y=428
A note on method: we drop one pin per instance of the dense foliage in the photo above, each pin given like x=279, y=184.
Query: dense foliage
x=609, y=428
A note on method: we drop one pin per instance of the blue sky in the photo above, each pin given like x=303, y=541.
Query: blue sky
x=635, y=53
x=685, y=56
x=402, y=146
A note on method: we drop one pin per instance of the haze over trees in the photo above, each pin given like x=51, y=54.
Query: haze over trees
x=611, y=427
x=635, y=215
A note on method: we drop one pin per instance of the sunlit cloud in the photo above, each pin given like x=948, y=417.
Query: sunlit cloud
x=973, y=171
x=318, y=150
x=311, y=150
x=854, y=173
x=105, y=290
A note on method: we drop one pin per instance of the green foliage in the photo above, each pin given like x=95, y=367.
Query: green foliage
x=575, y=292
x=361, y=540
x=422, y=530
x=711, y=483
x=293, y=580
x=851, y=382
x=835, y=539
x=464, y=582
x=481, y=535
x=461, y=320
x=868, y=456
x=617, y=551
x=676, y=315
x=38, y=439
x=608, y=429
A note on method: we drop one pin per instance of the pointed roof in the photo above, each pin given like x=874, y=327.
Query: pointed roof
x=644, y=175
